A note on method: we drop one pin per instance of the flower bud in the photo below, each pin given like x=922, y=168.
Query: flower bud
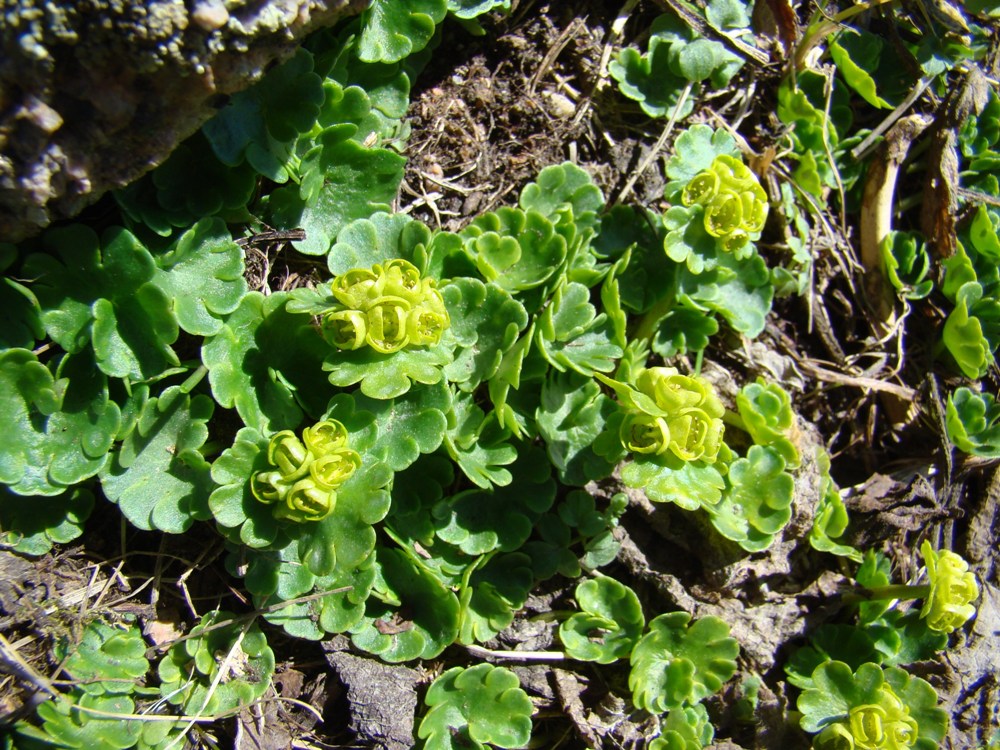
x=387, y=331
x=346, y=329
x=306, y=502
x=641, y=433
x=333, y=469
x=286, y=452
x=325, y=437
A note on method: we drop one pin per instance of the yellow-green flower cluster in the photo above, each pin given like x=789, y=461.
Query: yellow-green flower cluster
x=307, y=473
x=735, y=203
x=885, y=725
x=386, y=307
x=953, y=588
x=689, y=419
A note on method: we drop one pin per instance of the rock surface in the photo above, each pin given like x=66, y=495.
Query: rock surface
x=95, y=93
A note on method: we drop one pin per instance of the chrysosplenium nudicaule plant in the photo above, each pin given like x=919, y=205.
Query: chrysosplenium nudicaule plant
x=735, y=203
x=386, y=307
x=303, y=485
x=686, y=418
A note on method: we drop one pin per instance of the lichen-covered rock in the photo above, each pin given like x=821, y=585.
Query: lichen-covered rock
x=93, y=93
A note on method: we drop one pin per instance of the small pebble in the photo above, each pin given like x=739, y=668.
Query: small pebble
x=559, y=105
x=210, y=15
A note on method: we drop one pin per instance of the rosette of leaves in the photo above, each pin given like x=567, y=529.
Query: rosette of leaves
x=766, y=414
x=948, y=604
x=971, y=421
x=676, y=58
x=32, y=528
x=874, y=707
x=679, y=663
x=757, y=502
x=672, y=426
x=339, y=541
x=830, y=520
x=217, y=669
x=685, y=728
x=60, y=427
x=733, y=203
x=907, y=264
x=106, y=660
x=609, y=624
x=474, y=707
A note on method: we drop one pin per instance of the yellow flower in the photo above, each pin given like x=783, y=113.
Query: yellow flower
x=953, y=588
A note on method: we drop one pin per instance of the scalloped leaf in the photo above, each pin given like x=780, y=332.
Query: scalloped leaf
x=485, y=323
x=678, y=663
x=855, y=53
x=60, y=428
x=469, y=9
x=484, y=704
x=333, y=612
x=266, y=362
x=406, y=426
x=739, y=290
x=494, y=593
x=562, y=185
x=572, y=335
x=696, y=148
x=33, y=528
x=202, y=274
x=766, y=411
x=74, y=720
x=106, y=659
x=830, y=520
x=345, y=182
x=650, y=80
x=395, y=29
x=572, y=413
x=477, y=443
x=972, y=421
x=262, y=123
x=106, y=296
x=422, y=618
x=689, y=484
x=515, y=249
x=376, y=239
x=609, y=624
x=191, y=184
x=158, y=478
x=388, y=376
x=683, y=330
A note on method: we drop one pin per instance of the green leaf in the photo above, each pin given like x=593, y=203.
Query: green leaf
x=190, y=185
x=75, y=721
x=382, y=237
x=963, y=336
x=406, y=426
x=394, y=29
x=20, y=314
x=830, y=520
x=265, y=362
x=485, y=324
x=349, y=182
x=516, y=249
x=757, y=505
x=159, y=478
x=572, y=413
x=651, y=80
x=683, y=330
x=60, y=428
x=106, y=296
x=676, y=663
x=477, y=443
x=766, y=411
x=689, y=484
x=106, y=659
x=850, y=644
x=484, y=704
x=972, y=421
x=739, y=290
x=609, y=624
x=696, y=148
x=563, y=185
x=686, y=728
x=262, y=123
x=192, y=675
x=421, y=621
x=696, y=61
x=907, y=264
x=494, y=593
x=32, y=528
x=855, y=53
x=468, y=9
x=572, y=335
x=202, y=274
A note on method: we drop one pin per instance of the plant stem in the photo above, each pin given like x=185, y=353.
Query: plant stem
x=193, y=379
x=649, y=321
x=897, y=591
x=733, y=419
